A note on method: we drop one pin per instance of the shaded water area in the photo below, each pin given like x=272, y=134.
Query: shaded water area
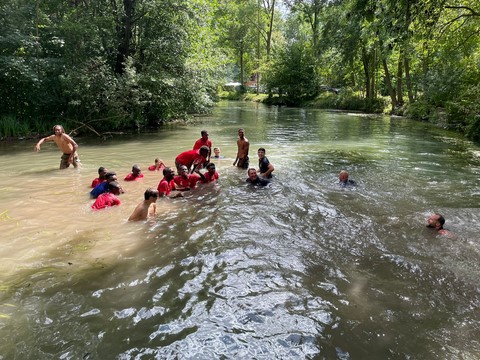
x=300, y=269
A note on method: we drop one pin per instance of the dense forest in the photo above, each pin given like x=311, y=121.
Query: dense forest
x=112, y=65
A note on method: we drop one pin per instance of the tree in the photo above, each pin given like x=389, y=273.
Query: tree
x=107, y=63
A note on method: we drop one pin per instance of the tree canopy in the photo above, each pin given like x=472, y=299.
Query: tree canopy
x=105, y=65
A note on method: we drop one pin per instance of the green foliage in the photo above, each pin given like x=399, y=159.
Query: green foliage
x=128, y=64
x=75, y=62
x=348, y=100
x=231, y=95
x=442, y=83
x=10, y=127
x=464, y=113
x=293, y=71
x=420, y=110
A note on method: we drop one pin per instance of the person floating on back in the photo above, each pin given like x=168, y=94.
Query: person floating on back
x=436, y=221
x=109, y=198
x=254, y=179
x=102, y=172
x=147, y=208
x=135, y=174
x=343, y=179
x=158, y=166
x=265, y=166
x=66, y=145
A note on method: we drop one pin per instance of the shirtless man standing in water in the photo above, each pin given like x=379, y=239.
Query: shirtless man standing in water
x=66, y=145
x=242, y=154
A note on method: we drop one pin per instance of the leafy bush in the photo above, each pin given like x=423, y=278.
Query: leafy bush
x=10, y=127
x=348, y=100
x=420, y=110
x=294, y=73
x=441, y=84
x=463, y=114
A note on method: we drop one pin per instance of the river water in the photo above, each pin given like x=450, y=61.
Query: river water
x=301, y=269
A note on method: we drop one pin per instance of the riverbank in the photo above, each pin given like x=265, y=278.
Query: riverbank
x=326, y=100
x=463, y=118
x=22, y=132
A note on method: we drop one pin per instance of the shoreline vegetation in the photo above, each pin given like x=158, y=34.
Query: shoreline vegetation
x=462, y=117
x=12, y=130
x=105, y=68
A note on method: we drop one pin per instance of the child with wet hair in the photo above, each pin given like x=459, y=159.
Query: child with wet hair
x=102, y=172
x=135, y=174
x=158, y=166
x=108, y=198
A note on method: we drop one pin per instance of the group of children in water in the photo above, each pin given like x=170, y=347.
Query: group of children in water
x=189, y=165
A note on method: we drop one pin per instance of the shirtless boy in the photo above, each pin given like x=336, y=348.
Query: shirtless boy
x=147, y=208
x=66, y=145
x=242, y=154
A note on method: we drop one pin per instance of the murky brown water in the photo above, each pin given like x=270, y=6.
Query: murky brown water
x=300, y=269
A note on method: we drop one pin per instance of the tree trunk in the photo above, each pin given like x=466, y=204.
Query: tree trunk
x=388, y=83
x=271, y=11
x=366, y=70
x=258, y=48
x=368, y=59
x=241, y=68
x=408, y=81
x=373, y=90
x=406, y=57
x=399, y=79
x=124, y=32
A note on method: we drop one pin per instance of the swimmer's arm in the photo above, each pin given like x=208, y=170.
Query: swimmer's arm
x=153, y=209
x=239, y=146
x=175, y=194
x=270, y=169
x=246, y=146
x=48, y=138
x=446, y=232
x=196, y=166
x=202, y=177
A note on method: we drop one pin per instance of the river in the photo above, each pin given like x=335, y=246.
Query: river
x=300, y=269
